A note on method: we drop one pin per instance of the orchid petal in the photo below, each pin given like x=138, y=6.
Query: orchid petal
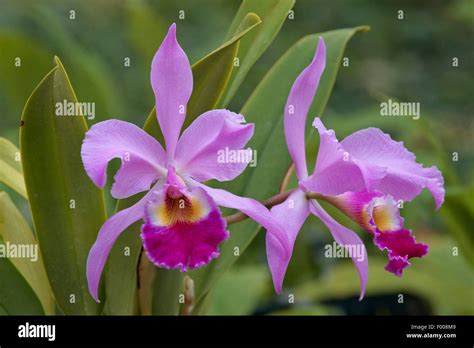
x=401, y=246
x=345, y=237
x=335, y=171
x=297, y=106
x=202, y=148
x=108, y=234
x=404, y=178
x=143, y=158
x=255, y=210
x=370, y=159
x=182, y=232
x=172, y=82
x=291, y=214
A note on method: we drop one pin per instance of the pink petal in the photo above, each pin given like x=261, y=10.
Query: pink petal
x=291, y=214
x=133, y=177
x=404, y=177
x=370, y=159
x=187, y=241
x=297, y=106
x=345, y=237
x=206, y=147
x=143, y=158
x=401, y=246
x=108, y=234
x=172, y=82
x=335, y=171
x=255, y=210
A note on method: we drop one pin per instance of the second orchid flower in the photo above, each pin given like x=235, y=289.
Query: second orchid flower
x=364, y=175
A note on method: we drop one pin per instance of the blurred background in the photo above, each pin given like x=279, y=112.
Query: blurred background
x=410, y=59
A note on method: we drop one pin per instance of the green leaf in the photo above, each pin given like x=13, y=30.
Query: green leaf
x=10, y=167
x=210, y=75
x=168, y=285
x=273, y=14
x=67, y=209
x=265, y=108
x=16, y=295
x=230, y=297
x=15, y=231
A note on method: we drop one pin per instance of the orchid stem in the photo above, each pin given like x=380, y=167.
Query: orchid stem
x=277, y=199
x=315, y=195
x=146, y=279
x=188, y=304
x=287, y=178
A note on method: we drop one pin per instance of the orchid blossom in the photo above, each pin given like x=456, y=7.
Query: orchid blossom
x=183, y=226
x=365, y=176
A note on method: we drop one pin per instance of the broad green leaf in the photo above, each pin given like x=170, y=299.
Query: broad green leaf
x=210, y=76
x=273, y=14
x=15, y=231
x=67, y=209
x=10, y=167
x=169, y=284
x=442, y=278
x=16, y=295
x=240, y=290
x=265, y=108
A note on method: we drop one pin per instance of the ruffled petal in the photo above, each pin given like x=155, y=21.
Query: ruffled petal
x=108, y=234
x=182, y=231
x=212, y=146
x=384, y=165
x=291, y=214
x=380, y=216
x=405, y=178
x=297, y=106
x=255, y=210
x=172, y=81
x=401, y=246
x=335, y=171
x=347, y=238
x=143, y=158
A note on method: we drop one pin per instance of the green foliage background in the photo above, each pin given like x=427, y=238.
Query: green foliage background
x=407, y=60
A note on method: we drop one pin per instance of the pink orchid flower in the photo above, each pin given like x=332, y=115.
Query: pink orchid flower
x=365, y=176
x=182, y=224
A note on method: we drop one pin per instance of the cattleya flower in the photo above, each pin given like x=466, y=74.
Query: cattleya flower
x=365, y=176
x=182, y=225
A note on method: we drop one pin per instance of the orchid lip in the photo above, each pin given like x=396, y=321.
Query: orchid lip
x=182, y=232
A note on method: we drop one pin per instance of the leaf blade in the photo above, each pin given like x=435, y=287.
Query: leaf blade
x=67, y=209
x=15, y=230
x=11, y=173
x=273, y=14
